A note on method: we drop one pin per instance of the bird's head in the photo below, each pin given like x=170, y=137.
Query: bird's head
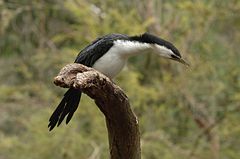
x=161, y=47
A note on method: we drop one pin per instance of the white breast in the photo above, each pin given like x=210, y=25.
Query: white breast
x=112, y=62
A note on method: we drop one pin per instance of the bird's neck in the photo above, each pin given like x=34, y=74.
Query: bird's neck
x=127, y=49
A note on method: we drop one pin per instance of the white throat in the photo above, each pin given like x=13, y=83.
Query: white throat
x=127, y=49
x=162, y=51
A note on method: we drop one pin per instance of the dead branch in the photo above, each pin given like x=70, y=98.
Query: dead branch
x=122, y=124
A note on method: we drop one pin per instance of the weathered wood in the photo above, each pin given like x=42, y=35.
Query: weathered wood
x=122, y=124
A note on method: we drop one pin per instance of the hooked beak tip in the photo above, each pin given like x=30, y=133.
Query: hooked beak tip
x=184, y=62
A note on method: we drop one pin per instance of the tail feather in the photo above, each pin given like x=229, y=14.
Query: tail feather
x=66, y=107
x=65, y=112
x=74, y=107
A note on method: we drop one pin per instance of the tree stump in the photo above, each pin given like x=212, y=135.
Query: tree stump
x=122, y=124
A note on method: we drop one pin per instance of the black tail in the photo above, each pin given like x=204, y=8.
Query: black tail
x=66, y=107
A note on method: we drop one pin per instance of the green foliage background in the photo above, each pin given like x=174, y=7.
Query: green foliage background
x=183, y=113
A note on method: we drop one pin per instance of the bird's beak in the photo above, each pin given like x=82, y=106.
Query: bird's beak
x=181, y=61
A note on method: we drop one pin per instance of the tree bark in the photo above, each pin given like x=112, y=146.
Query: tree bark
x=122, y=124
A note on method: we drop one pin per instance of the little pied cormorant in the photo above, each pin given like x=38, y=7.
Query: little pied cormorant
x=108, y=54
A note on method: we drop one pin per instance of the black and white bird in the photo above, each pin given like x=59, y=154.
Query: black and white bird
x=108, y=54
